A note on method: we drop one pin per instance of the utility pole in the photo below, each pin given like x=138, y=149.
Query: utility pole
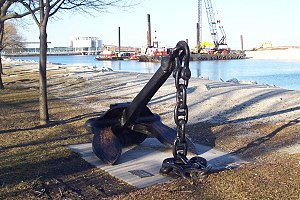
x=149, y=32
x=119, y=36
x=199, y=25
x=242, y=43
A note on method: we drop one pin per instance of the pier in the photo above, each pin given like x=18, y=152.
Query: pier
x=56, y=51
x=63, y=51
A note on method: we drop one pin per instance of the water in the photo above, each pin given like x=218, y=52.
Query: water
x=282, y=73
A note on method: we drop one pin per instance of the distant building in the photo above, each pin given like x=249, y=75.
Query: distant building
x=86, y=44
x=78, y=46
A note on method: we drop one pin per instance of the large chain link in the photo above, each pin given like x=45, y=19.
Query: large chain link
x=196, y=167
x=182, y=74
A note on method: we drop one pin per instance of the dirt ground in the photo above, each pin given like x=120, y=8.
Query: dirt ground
x=35, y=163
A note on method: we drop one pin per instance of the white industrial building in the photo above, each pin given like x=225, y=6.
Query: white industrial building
x=86, y=44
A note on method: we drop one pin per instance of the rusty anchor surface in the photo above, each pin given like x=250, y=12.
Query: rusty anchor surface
x=131, y=123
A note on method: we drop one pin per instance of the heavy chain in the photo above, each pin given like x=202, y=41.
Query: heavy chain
x=196, y=167
x=182, y=74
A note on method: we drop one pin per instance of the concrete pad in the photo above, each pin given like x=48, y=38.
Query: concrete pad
x=139, y=165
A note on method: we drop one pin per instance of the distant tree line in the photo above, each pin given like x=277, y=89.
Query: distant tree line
x=11, y=37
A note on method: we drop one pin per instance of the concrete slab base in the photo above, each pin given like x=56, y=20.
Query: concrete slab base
x=139, y=165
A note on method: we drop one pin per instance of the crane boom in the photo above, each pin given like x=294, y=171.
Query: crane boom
x=213, y=25
x=199, y=24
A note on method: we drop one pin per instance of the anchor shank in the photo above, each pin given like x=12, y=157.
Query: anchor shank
x=142, y=99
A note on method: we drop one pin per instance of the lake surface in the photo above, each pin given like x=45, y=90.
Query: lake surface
x=282, y=73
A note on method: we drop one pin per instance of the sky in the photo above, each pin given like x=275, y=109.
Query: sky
x=174, y=20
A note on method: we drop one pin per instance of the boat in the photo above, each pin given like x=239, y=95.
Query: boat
x=153, y=54
x=111, y=56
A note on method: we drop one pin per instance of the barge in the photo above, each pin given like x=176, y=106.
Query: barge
x=197, y=57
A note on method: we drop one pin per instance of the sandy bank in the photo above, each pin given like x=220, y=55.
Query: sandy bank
x=209, y=101
x=276, y=54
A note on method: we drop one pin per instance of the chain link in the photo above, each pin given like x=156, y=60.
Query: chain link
x=196, y=167
x=182, y=75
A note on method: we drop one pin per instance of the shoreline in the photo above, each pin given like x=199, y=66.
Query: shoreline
x=265, y=54
x=284, y=53
x=206, y=97
x=50, y=65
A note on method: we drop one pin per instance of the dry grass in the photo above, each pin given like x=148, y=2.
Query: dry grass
x=31, y=153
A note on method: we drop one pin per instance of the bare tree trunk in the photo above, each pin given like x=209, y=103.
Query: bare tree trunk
x=1, y=48
x=1, y=82
x=44, y=116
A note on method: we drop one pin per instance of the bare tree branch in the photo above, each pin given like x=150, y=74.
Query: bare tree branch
x=9, y=10
x=31, y=11
x=56, y=6
x=46, y=9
